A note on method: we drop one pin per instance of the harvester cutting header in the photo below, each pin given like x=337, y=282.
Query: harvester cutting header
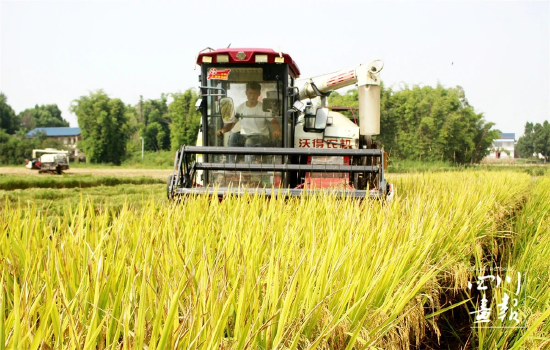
x=261, y=131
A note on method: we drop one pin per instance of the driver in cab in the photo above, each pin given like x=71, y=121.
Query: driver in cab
x=254, y=131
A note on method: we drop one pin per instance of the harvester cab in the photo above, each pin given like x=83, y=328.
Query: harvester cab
x=262, y=133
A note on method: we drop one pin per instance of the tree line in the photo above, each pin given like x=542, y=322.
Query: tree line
x=110, y=129
x=535, y=140
x=417, y=123
x=428, y=124
x=14, y=145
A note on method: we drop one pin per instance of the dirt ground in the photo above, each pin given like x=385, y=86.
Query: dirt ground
x=155, y=173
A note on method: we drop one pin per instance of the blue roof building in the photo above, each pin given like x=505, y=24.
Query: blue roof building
x=68, y=136
x=55, y=132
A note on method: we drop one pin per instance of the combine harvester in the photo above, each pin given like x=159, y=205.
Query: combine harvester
x=51, y=161
x=261, y=133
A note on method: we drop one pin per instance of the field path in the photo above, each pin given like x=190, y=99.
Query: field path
x=155, y=173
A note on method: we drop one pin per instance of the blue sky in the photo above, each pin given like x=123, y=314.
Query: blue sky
x=499, y=52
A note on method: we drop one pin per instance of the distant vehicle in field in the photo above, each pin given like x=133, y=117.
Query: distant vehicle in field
x=51, y=160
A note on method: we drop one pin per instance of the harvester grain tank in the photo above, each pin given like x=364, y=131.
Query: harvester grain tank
x=260, y=131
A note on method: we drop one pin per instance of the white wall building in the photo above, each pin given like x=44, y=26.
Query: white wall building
x=503, y=147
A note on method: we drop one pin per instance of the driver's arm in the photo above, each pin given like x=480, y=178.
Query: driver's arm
x=227, y=127
x=276, y=128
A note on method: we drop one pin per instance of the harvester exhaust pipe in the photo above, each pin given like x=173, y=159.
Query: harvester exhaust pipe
x=368, y=81
x=368, y=88
x=369, y=110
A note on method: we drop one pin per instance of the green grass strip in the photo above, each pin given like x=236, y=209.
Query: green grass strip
x=9, y=183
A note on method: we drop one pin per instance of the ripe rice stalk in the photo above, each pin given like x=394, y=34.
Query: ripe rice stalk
x=249, y=272
x=529, y=256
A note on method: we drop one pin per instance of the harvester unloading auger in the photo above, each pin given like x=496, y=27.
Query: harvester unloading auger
x=258, y=135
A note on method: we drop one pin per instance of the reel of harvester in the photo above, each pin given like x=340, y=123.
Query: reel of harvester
x=273, y=179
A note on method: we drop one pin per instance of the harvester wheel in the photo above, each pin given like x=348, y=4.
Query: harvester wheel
x=58, y=170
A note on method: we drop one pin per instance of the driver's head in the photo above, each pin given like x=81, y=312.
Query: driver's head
x=253, y=85
x=253, y=90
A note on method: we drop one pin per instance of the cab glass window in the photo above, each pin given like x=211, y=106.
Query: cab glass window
x=257, y=120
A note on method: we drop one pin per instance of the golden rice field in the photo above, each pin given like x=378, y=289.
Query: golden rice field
x=306, y=273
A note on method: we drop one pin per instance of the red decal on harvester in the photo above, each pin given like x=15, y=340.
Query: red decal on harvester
x=218, y=74
x=304, y=143
x=340, y=78
x=319, y=143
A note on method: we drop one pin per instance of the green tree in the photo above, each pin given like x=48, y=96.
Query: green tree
x=134, y=126
x=388, y=121
x=8, y=120
x=426, y=123
x=104, y=127
x=154, y=122
x=154, y=136
x=535, y=140
x=14, y=149
x=348, y=99
x=541, y=139
x=525, y=146
x=185, y=119
x=42, y=117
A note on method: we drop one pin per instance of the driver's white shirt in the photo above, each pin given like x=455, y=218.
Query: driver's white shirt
x=256, y=126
